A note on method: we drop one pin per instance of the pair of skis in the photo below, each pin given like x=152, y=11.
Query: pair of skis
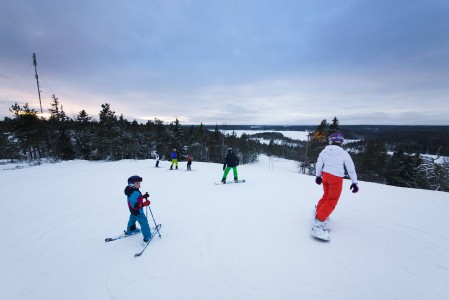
x=144, y=244
x=123, y=235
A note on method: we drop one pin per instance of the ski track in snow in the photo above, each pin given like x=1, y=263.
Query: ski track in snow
x=239, y=241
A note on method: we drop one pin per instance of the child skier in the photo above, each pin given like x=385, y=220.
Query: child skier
x=135, y=205
x=330, y=170
x=174, y=159
x=189, y=162
x=231, y=161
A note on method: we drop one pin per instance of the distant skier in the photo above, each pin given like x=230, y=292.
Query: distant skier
x=231, y=161
x=174, y=159
x=330, y=170
x=189, y=162
x=135, y=205
x=157, y=159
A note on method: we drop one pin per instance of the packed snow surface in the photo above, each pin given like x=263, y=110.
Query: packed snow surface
x=239, y=241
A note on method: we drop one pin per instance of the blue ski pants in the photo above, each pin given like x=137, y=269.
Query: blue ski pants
x=143, y=222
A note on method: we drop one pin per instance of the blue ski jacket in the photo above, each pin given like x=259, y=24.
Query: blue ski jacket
x=135, y=200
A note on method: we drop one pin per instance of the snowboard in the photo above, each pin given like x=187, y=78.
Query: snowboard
x=320, y=234
x=230, y=181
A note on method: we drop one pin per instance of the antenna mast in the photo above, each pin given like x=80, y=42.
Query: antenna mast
x=37, y=80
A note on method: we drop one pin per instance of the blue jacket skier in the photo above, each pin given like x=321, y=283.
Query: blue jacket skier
x=135, y=205
x=174, y=159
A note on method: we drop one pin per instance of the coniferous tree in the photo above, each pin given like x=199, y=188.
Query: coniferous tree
x=371, y=162
x=321, y=133
x=403, y=170
x=442, y=176
x=193, y=146
x=176, y=137
x=201, y=136
x=146, y=143
x=272, y=149
x=124, y=146
x=107, y=133
x=140, y=147
x=9, y=149
x=84, y=135
x=216, y=143
x=58, y=132
x=198, y=149
x=232, y=141
x=29, y=131
x=246, y=150
x=335, y=126
x=315, y=145
x=161, y=139
x=191, y=135
x=434, y=173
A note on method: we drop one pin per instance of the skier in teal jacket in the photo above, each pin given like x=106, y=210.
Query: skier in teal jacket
x=135, y=205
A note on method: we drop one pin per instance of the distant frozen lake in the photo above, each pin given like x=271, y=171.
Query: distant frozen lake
x=296, y=135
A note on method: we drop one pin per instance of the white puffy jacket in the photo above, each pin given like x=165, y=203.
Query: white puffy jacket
x=332, y=160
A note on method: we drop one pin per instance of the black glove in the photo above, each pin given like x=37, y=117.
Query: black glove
x=354, y=188
x=224, y=167
x=318, y=180
x=146, y=195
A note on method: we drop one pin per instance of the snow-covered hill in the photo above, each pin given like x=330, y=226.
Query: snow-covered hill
x=237, y=241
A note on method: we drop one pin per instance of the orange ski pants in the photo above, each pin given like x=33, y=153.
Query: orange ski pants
x=332, y=186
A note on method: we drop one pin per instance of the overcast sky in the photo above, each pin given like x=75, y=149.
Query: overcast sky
x=231, y=61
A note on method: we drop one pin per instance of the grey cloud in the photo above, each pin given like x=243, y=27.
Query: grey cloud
x=193, y=58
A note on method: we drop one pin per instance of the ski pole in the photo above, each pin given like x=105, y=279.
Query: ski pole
x=157, y=229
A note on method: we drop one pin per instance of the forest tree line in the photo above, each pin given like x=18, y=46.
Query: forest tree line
x=397, y=160
x=392, y=161
x=59, y=137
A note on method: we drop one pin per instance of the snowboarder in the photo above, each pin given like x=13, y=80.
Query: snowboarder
x=189, y=162
x=157, y=159
x=174, y=159
x=135, y=205
x=231, y=161
x=330, y=170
